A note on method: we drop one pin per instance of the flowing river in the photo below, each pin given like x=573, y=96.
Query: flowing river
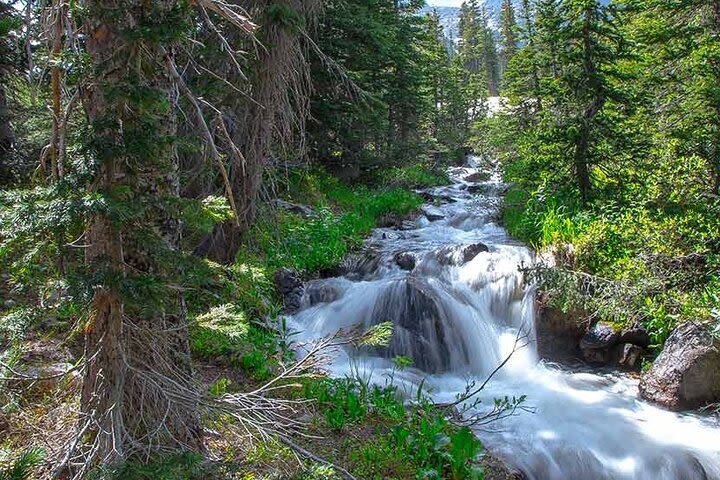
x=460, y=310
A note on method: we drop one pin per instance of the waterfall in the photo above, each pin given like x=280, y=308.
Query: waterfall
x=453, y=289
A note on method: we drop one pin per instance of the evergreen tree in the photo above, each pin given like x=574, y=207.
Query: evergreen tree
x=136, y=344
x=9, y=22
x=389, y=54
x=478, y=49
x=508, y=33
x=680, y=46
x=490, y=59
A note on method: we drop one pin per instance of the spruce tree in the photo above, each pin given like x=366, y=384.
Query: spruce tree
x=139, y=394
x=679, y=45
x=508, y=32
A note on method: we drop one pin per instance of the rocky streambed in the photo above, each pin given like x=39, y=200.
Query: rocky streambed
x=451, y=284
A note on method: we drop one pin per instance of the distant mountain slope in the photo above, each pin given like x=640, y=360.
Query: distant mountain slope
x=450, y=16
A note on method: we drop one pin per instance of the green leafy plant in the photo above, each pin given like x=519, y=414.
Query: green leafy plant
x=23, y=467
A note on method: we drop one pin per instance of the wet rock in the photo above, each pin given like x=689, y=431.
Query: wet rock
x=598, y=344
x=302, y=210
x=630, y=355
x=432, y=213
x=321, y=292
x=479, y=189
x=424, y=331
x=636, y=335
x=459, y=255
x=407, y=225
x=477, y=177
x=394, y=220
x=405, y=260
x=686, y=375
x=469, y=252
x=558, y=333
x=600, y=336
x=361, y=266
x=290, y=285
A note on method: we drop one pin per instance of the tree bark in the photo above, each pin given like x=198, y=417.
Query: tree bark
x=268, y=121
x=139, y=395
x=7, y=137
x=582, y=143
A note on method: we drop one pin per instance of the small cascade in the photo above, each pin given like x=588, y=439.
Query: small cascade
x=453, y=289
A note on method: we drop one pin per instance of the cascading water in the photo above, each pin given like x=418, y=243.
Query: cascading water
x=458, y=306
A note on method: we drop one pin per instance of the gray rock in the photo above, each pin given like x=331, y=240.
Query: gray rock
x=407, y=225
x=394, y=220
x=636, y=335
x=321, y=292
x=558, y=333
x=600, y=336
x=361, y=266
x=471, y=251
x=479, y=189
x=424, y=330
x=290, y=285
x=432, y=213
x=302, y=210
x=686, y=375
x=630, y=355
x=405, y=260
x=50, y=377
x=459, y=255
x=477, y=177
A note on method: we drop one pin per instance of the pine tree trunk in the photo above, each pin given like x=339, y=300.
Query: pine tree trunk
x=139, y=394
x=7, y=138
x=581, y=167
x=273, y=114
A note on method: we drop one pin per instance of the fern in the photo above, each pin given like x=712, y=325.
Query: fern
x=22, y=468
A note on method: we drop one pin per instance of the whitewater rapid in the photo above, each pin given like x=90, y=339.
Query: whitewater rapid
x=458, y=312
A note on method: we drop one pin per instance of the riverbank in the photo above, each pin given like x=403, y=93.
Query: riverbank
x=239, y=344
x=462, y=310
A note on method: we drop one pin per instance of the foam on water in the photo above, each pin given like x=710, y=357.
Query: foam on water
x=459, y=321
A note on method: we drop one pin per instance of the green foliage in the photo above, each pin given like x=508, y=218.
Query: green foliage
x=419, y=441
x=610, y=159
x=23, y=467
x=180, y=466
x=403, y=103
x=226, y=334
x=220, y=387
x=15, y=324
x=413, y=176
x=343, y=217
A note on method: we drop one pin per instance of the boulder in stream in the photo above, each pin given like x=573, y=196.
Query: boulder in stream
x=396, y=220
x=469, y=252
x=405, y=260
x=637, y=334
x=423, y=328
x=558, y=333
x=324, y=291
x=686, y=375
x=362, y=265
x=290, y=285
x=477, y=177
x=459, y=255
x=432, y=213
x=601, y=336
